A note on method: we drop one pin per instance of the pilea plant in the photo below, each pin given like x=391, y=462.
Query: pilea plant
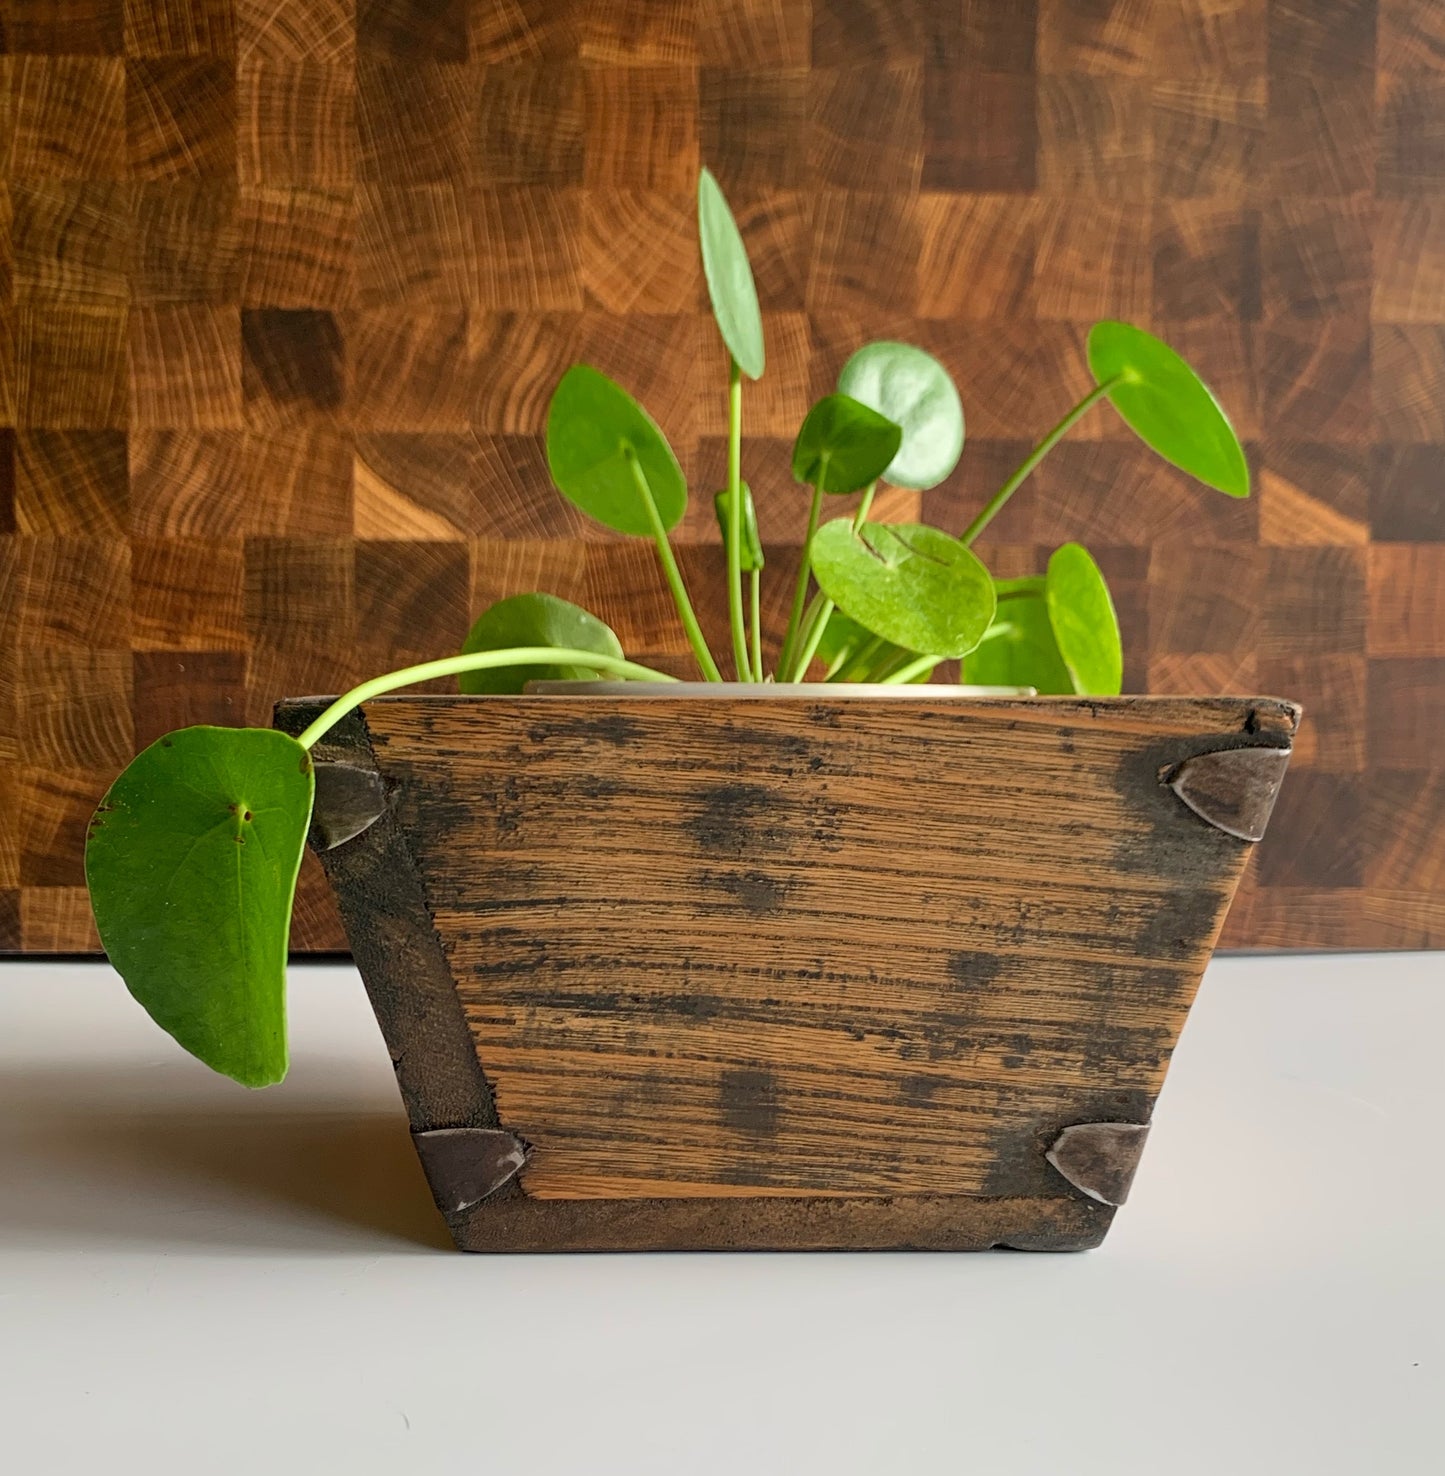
x=193, y=855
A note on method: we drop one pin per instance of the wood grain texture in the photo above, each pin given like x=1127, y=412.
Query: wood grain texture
x=780, y=950
x=749, y=937
x=307, y=272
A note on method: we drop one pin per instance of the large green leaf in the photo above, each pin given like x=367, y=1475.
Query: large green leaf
x=602, y=447
x=843, y=445
x=729, y=277
x=914, y=391
x=191, y=862
x=535, y=620
x=911, y=584
x=1166, y=404
x=752, y=549
x=1058, y=633
x=1019, y=649
x=1085, y=625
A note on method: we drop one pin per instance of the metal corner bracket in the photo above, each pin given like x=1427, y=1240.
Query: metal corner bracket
x=1233, y=789
x=465, y=1165
x=349, y=800
x=1099, y=1158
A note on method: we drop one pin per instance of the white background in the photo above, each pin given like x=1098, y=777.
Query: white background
x=198, y=1279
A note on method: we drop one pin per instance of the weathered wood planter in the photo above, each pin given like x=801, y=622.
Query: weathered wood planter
x=774, y=970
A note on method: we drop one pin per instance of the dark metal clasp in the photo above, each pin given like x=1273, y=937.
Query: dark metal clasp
x=1234, y=789
x=464, y=1165
x=1099, y=1158
x=349, y=800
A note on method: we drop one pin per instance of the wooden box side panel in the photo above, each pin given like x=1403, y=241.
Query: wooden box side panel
x=778, y=948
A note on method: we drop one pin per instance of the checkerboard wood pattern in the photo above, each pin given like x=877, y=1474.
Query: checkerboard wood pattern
x=285, y=286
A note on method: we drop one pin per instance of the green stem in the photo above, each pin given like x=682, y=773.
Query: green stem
x=857, y=665
x=895, y=663
x=816, y=608
x=756, y=624
x=673, y=575
x=475, y=661
x=810, y=646
x=820, y=620
x=814, y=605
x=805, y=568
x=735, y=521
x=913, y=669
x=1034, y=457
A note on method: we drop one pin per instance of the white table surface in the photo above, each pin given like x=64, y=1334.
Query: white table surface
x=198, y=1279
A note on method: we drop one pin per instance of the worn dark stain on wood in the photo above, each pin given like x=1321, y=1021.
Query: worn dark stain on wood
x=284, y=289
x=998, y=941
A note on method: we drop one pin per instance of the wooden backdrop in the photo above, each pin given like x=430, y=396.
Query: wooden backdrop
x=286, y=285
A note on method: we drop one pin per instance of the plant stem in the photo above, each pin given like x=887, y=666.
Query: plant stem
x=805, y=632
x=1034, y=457
x=810, y=646
x=735, y=521
x=673, y=575
x=858, y=663
x=820, y=621
x=805, y=568
x=757, y=623
x=475, y=661
x=905, y=670
x=895, y=663
x=913, y=669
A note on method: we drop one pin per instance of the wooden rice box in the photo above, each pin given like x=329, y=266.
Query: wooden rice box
x=786, y=970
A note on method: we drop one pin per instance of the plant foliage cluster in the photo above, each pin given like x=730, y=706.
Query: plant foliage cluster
x=892, y=600
x=193, y=855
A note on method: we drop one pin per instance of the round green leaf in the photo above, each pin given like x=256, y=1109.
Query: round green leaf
x=752, y=549
x=1085, y=625
x=191, y=862
x=911, y=584
x=535, y=620
x=602, y=446
x=914, y=391
x=1166, y=404
x=843, y=445
x=729, y=277
x=1019, y=650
